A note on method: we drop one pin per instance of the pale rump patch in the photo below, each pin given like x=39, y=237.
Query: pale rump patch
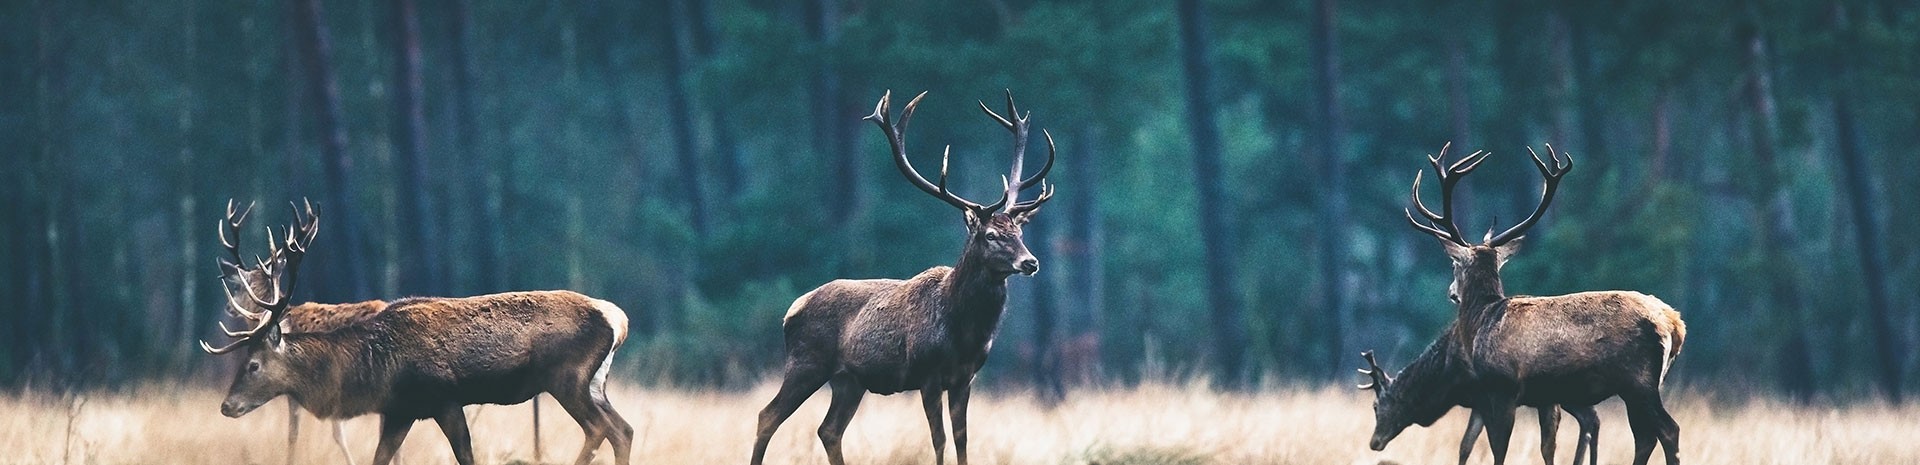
x=1672, y=331
x=617, y=320
x=798, y=304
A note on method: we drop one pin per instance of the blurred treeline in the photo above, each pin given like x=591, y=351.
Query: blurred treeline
x=1231, y=181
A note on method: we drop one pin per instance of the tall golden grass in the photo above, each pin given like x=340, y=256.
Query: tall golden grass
x=1149, y=424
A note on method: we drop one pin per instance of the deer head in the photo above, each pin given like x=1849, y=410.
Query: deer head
x=259, y=295
x=1427, y=396
x=1476, y=267
x=993, y=233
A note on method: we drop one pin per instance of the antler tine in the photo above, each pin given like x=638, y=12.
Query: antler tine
x=231, y=224
x=222, y=349
x=1442, y=225
x=1018, y=125
x=1046, y=192
x=234, y=305
x=1377, y=377
x=896, y=139
x=1551, y=184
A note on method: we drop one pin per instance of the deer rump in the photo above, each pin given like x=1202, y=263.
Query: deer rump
x=886, y=341
x=423, y=354
x=1576, y=349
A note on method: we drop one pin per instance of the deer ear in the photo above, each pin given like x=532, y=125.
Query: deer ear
x=1506, y=251
x=974, y=220
x=1459, y=253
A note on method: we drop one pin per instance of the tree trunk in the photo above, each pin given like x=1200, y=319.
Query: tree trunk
x=483, y=172
x=420, y=262
x=1332, y=224
x=1863, y=203
x=680, y=120
x=1662, y=134
x=705, y=44
x=189, y=216
x=1783, y=292
x=1229, y=333
x=1082, y=252
x=345, y=281
x=1046, y=378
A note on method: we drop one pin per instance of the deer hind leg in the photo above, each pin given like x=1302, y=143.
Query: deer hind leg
x=453, y=423
x=579, y=404
x=1474, y=425
x=1549, y=431
x=1588, y=447
x=930, y=399
x=846, y=400
x=799, y=385
x=619, y=432
x=1644, y=417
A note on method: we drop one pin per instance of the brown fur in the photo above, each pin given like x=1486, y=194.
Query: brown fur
x=426, y=357
x=929, y=333
x=1570, y=350
x=314, y=317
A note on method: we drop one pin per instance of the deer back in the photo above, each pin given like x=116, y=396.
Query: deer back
x=319, y=318
x=1596, y=341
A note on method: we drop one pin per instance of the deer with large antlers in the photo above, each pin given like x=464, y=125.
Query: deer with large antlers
x=929, y=333
x=307, y=317
x=423, y=357
x=1504, y=351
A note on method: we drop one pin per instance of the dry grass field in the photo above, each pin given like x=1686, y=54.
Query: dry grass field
x=1153, y=424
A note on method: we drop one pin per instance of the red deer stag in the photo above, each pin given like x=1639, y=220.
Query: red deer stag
x=303, y=318
x=929, y=333
x=424, y=357
x=1501, y=352
x=309, y=317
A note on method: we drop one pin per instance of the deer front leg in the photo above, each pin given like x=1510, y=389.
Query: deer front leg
x=957, y=407
x=340, y=439
x=1497, y=410
x=1588, y=447
x=453, y=423
x=1474, y=425
x=1549, y=430
x=393, y=430
x=930, y=399
x=293, y=426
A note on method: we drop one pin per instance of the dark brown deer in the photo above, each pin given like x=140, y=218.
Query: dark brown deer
x=424, y=357
x=1410, y=404
x=1504, y=351
x=929, y=333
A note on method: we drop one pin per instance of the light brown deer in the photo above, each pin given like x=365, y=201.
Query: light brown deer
x=308, y=317
x=424, y=357
x=1503, y=351
x=929, y=333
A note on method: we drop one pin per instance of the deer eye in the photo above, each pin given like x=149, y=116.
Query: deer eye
x=253, y=366
x=993, y=236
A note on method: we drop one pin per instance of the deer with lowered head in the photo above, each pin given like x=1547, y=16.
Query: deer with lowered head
x=929, y=333
x=1504, y=351
x=423, y=358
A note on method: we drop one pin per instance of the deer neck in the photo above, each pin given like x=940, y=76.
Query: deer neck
x=976, y=298
x=1480, y=286
x=1426, y=389
x=333, y=374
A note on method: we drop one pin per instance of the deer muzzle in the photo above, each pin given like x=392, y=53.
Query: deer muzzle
x=1028, y=266
x=234, y=409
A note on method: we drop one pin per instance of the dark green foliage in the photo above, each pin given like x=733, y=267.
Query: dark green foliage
x=127, y=125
